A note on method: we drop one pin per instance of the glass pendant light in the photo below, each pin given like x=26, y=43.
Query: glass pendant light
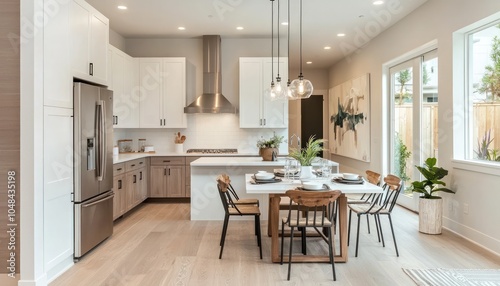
x=301, y=88
x=279, y=89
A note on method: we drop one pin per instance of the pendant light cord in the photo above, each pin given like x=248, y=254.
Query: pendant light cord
x=278, y=27
x=272, y=43
x=288, y=45
x=300, y=40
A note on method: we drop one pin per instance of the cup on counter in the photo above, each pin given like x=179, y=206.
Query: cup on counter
x=116, y=151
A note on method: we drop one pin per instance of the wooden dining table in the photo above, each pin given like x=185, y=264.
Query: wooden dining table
x=277, y=190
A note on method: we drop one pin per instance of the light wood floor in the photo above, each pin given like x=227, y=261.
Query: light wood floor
x=157, y=244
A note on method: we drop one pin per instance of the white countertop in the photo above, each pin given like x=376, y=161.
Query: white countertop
x=235, y=161
x=132, y=156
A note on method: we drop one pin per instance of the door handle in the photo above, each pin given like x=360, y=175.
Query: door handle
x=91, y=69
x=99, y=201
x=135, y=179
x=119, y=184
x=169, y=171
x=140, y=176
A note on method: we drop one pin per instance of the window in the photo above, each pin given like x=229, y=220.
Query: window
x=483, y=93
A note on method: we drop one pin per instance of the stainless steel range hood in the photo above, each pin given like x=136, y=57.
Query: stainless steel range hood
x=212, y=100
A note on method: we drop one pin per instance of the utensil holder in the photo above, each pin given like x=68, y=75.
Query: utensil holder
x=179, y=148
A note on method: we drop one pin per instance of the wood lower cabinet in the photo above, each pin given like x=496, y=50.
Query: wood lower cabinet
x=167, y=177
x=130, y=184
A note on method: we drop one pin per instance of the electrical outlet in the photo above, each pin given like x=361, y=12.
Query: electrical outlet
x=466, y=208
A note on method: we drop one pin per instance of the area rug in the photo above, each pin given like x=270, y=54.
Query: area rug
x=454, y=277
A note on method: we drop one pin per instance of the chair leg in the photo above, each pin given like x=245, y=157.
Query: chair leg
x=223, y=236
x=377, y=227
x=330, y=251
x=393, y=236
x=349, y=228
x=259, y=241
x=380, y=227
x=282, y=238
x=303, y=238
x=357, y=235
x=368, y=223
x=290, y=254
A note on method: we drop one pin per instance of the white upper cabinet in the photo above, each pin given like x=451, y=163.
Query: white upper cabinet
x=256, y=109
x=123, y=80
x=89, y=42
x=57, y=80
x=162, y=92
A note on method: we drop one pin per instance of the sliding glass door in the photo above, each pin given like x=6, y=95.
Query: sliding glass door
x=414, y=110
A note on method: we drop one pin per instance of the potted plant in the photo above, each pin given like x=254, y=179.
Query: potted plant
x=306, y=155
x=430, y=205
x=268, y=148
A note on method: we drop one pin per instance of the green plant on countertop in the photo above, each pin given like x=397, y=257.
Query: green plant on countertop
x=273, y=142
x=433, y=176
x=306, y=155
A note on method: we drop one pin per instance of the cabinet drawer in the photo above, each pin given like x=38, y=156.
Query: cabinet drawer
x=164, y=161
x=135, y=164
x=118, y=169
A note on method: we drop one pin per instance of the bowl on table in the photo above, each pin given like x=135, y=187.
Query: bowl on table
x=312, y=185
x=350, y=176
x=263, y=175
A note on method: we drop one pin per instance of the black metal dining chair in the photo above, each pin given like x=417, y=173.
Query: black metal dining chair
x=232, y=209
x=310, y=209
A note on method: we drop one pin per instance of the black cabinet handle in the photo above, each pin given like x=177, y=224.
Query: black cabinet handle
x=169, y=171
x=119, y=169
x=119, y=184
x=141, y=163
x=135, y=179
x=165, y=171
x=166, y=161
x=140, y=176
x=91, y=69
x=133, y=165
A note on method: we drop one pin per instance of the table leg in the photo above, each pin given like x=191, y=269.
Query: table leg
x=342, y=213
x=274, y=207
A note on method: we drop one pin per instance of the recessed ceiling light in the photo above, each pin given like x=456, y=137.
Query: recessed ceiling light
x=309, y=62
x=327, y=48
x=181, y=28
x=340, y=35
x=239, y=28
x=122, y=7
x=284, y=23
x=378, y=2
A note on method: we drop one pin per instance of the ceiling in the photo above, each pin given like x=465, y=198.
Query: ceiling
x=360, y=20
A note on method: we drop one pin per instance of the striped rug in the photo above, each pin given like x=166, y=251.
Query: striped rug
x=454, y=277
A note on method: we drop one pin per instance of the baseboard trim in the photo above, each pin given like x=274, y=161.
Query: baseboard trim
x=40, y=281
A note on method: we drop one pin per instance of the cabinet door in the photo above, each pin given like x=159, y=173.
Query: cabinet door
x=251, y=90
x=158, y=182
x=57, y=79
x=131, y=180
x=176, y=184
x=80, y=39
x=131, y=94
x=141, y=186
x=174, y=92
x=150, y=106
x=275, y=112
x=118, y=200
x=99, y=38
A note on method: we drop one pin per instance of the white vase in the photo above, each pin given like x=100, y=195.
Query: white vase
x=306, y=172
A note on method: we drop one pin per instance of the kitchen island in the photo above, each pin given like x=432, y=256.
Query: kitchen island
x=205, y=200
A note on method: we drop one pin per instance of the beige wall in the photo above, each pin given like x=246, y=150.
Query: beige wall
x=434, y=21
x=116, y=40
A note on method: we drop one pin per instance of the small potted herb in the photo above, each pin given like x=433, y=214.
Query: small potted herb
x=268, y=148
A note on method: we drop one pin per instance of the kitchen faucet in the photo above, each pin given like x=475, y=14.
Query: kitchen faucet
x=298, y=140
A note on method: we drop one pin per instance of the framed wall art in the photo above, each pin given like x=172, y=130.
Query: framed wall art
x=349, y=110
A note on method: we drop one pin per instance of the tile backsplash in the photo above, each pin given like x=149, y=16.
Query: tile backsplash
x=204, y=131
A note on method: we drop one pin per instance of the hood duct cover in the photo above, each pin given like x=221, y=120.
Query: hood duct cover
x=212, y=100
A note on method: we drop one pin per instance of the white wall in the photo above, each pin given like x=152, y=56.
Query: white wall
x=116, y=40
x=434, y=21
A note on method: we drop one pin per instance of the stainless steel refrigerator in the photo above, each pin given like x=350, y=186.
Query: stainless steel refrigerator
x=93, y=166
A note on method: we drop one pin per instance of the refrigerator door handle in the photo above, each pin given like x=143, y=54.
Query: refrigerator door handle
x=101, y=131
x=98, y=202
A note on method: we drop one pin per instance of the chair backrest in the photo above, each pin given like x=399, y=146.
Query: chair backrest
x=373, y=177
x=392, y=187
x=223, y=183
x=316, y=205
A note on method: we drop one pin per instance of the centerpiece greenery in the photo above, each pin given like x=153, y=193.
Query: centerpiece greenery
x=268, y=148
x=306, y=155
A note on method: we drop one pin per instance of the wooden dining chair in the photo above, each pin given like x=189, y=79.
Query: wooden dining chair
x=373, y=178
x=231, y=209
x=382, y=205
x=310, y=209
x=236, y=198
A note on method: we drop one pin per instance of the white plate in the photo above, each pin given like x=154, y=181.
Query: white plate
x=264, y=176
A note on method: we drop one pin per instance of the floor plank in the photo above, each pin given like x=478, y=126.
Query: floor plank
x=157, y=244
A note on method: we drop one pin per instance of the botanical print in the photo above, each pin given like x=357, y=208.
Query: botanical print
x=349, y=113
